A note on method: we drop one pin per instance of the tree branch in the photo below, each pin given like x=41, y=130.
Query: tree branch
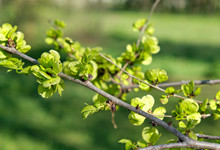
x=208, y=137
x=186, y=141
x=117, y=101
x=179, y=83
x=187, y=144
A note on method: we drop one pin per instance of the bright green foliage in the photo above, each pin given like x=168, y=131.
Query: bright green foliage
x=10, y=38
x=218, y=95
x=188, y=90
x=86, y=64
x=144, y=86
x=145, y=103
x=128, y=144
x=137, y=25
x=47, y=74
x=204, y=105
x=150, y=135
x=188, y=114
x=212, y=104
x=88, y=110
x=164, y=99
x=189, y=106
x=159, y=112
x=156, y=75
x=193, y=135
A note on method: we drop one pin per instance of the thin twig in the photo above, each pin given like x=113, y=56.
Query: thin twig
x=151, y=85
x=179, y=83
x=187, y=144
x=208, y=137
x=142, y=33
x=146, y=23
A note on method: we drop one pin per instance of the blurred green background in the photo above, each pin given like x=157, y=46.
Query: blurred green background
x=188, y=32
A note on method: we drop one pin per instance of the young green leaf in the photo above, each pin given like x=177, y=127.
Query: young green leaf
x=88, y=110
x=182, y=124
x=160, y=112
x=164, y=99
x=218, y=95
x=150, y=135
x=212, y=104
x=128, y=143
x=189, y=106
x=204, y=105
x=136, y=119
x=170, y=90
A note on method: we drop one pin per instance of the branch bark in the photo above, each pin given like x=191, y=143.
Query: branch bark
x=187, y=144
x=210, y=137
x=179, y=83
x=185, y=140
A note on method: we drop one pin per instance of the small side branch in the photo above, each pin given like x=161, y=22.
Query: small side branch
x=147, y=21
x=208, y=137
x=196, y=82
x=151, y=85
x=187, y=144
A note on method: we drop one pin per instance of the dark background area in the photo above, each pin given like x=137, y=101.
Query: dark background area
x=188, y=33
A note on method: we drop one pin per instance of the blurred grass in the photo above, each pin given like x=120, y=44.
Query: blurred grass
x=189, y=45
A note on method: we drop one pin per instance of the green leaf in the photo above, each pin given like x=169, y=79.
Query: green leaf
x=88, y=110
x=198, y=91
x=160, y=112
x=60, y=87
x=60, y=23
x=204, y=105
x=12, y=31
x=212, y=104
x=145, y=103
x=74, y=67
x=147, y=58
x=136, y=119
x=188, y=89
x=45, y=92
x=4, y=30
x=150, y=29
x=193, y=135
x=150, y=135
x=164, y=99
x=156, y=75
x=218, y=95
x=195, y=116
x=170, y=90
x=216, y=115
x=141, y=144
x=128, y=143
x=3, y=54
x=189, y=106
x=144, y=86
x=12, y=63
x=182, y=124
x=137, y=26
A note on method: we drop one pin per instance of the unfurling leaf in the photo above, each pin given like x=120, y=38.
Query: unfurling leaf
x=128, y=144
x=88, y=110
x=160, y=112
x=150, y=135
x=189, y=106
x=164, y=99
